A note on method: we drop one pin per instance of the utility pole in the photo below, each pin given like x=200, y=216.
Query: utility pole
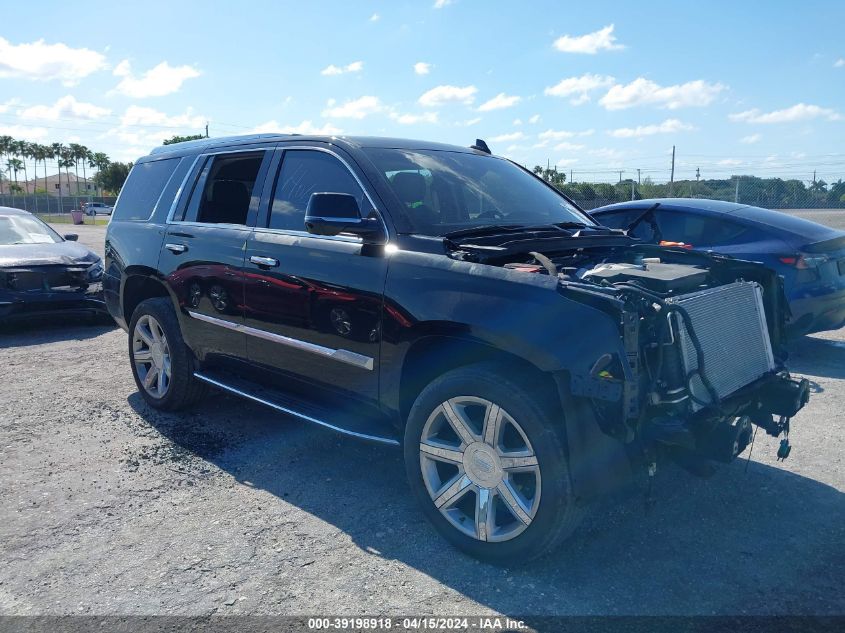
x=672, y=176
x=620, y=175
x=632, y=188
x=570, y=175
x=639, y=182
x=736, y=192
x=697, y=174
x=206, y=129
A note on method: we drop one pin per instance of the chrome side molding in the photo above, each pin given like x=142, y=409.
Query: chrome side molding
x=342, y=355
x=273, y=405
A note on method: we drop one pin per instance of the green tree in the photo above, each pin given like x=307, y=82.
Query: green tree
x=99, y=161
x=182, y=139
x=13, y=166
x=112, y=177
x=6, y=144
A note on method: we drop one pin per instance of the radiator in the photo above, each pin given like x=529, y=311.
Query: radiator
x=730, y=323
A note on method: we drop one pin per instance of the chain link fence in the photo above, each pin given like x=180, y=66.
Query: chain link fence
x=771, y=193
x=52, y=208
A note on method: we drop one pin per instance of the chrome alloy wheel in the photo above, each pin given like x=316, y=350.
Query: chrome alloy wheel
x=151, y=355
x=480, y=469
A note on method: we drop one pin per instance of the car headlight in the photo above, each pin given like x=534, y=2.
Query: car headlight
x=94, y=272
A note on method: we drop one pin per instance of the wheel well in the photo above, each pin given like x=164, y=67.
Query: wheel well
x=431, y=357
x=137, y=289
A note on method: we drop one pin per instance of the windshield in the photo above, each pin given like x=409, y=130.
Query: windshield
x=444, y=191
x=25, y=229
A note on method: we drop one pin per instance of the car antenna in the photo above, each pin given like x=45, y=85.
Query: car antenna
x=481, y=146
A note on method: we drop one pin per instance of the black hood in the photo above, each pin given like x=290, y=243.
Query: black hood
x=52, y=254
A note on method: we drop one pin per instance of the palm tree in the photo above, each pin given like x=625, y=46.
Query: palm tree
x=14, y=165
x=85, y=157
x=22, y=150
x=39, y=154
x=66, y=161
x=78, y=154
x=6, y=143
x=101, y=162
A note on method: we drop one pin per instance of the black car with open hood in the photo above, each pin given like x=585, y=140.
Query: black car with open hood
x=448, y=301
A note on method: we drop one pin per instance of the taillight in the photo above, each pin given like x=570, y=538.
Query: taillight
x=803, y=262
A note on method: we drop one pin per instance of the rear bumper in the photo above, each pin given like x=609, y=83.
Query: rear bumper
x=816, y=310
x=24, y=305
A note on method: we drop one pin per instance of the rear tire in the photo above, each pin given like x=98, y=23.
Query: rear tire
x=513, y=469
x=162, y=364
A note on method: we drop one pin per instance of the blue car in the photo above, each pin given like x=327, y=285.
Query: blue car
x=809, y=256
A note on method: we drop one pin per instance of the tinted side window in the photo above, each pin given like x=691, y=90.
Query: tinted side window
x=143, y=188
x=677, y=226
x=225, y=188
x=302, y=173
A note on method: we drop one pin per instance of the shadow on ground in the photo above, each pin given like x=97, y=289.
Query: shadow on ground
x=54, y=328
x=763, y=540
x=820, y=357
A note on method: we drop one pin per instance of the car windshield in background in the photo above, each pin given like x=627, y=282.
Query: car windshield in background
x=444, y=191
x=23, y=229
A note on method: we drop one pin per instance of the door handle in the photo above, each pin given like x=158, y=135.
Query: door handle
x=176, y=248
x=269, y=262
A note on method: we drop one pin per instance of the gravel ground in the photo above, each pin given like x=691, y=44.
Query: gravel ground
x=110, y=507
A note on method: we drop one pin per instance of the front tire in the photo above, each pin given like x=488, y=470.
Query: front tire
x=162, y=364
x=486, y=460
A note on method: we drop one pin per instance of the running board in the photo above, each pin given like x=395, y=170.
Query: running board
x=294, y=406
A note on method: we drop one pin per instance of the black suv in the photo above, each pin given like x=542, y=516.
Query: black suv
x=449, y=301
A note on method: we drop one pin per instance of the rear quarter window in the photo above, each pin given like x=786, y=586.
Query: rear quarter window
x=144, y=187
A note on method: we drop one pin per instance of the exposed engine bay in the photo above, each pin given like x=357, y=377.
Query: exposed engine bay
x=702, y=336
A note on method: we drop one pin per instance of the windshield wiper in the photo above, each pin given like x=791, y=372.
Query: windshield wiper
x=489, y=229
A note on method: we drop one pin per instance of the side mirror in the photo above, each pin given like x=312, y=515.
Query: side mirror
x=335, y=213
x=71, y=237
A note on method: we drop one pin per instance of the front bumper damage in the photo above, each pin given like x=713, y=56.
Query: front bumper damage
x=27, y=292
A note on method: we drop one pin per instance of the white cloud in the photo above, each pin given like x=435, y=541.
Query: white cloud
x=534, y=119
x=422, y=68
x=470, y=122
x=150, y=117
x=66, y=107
x=504, y=138
x=411, y=119
x=607, y=153
x=566, y=162
x=590, y=44
x=439, y=4
x=643, y=91
x=729, y=162
x=579, y=88
x=8, y=105
x=750, y=139
x=331, y=69
x=559, y=135
x=669, y=126
x=306, y=127
x=839, y=63
x=517, y=122
x=798, y=112
x=23, y=132
x=41, y=61
x=569, y=147
x=354, y=109
x=555, y=135
x=499, y=102
x=161, y=80
x=375, y=17
x=443, y=95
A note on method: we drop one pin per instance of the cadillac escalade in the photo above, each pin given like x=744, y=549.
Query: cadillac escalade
x=450, y=302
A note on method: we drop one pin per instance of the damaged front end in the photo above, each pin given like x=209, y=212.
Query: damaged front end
x=36, y=290
x=701, y=357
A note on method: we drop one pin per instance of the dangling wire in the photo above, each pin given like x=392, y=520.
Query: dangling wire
x=750, y=450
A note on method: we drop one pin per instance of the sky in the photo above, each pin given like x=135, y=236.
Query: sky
x=592, y=87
